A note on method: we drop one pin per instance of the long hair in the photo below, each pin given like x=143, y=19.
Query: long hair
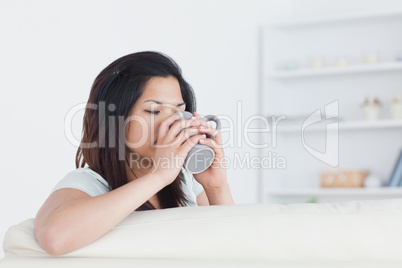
x=113, y=94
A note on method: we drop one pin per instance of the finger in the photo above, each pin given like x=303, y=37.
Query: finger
x=189, y=143
x=211, y=143
x=204, y=122
x=171, y=139
x=214, y=133
x=179, y=126
x=201, y=119
x=164, y=126
x=197, y=115
x=188, y=133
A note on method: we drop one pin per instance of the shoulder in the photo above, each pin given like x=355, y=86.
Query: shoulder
x=84, y=179
x=191, y=183
x=187, y=177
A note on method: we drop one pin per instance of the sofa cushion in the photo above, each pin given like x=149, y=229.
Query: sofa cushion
x=347, y=231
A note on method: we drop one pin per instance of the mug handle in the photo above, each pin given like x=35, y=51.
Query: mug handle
x=215, y=119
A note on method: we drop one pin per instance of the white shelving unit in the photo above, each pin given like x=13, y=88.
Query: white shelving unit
x=336, y=18
x=333, y=194
x=345, y=125
x=353, y=69
x=368, y=145
x=389, y=191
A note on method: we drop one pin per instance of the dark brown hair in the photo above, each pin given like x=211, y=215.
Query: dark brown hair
x=113, y=94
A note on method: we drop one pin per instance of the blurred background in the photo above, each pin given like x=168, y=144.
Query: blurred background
x=246, y=61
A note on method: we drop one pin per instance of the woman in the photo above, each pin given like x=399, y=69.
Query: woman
x=131, y=164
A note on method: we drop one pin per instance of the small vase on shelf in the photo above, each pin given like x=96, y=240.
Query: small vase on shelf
x=396, y=107
x=316, y=63
x=371, y=108
x=372, y=181
x=341, y=62
x=371, y=58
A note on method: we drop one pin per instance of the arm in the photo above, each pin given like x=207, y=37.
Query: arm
x=219, y=196
x=70, y=219
x=202, y=199
x=214, y=179
x=215, y=197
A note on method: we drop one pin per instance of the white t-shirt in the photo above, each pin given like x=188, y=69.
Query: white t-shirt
x=90, y=182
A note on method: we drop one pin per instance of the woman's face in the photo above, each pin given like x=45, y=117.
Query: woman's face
x=161, y=98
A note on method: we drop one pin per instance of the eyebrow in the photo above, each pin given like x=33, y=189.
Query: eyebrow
x=161, y=103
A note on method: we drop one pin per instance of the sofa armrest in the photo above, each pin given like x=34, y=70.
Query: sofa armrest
x=366, y=230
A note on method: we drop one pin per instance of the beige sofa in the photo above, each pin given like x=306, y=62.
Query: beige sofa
x=348, y=234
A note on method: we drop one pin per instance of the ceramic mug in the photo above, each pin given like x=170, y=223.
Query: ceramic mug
x=201, y=156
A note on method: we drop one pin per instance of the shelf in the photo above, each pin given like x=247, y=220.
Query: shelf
x=292, y=42
x=388, y=191
x=336, y=19
x=326, y=71
x=352, y=125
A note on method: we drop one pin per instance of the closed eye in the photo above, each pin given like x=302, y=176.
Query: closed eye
x=153, y=112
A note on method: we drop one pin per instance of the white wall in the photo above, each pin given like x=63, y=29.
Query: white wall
x=51, y=52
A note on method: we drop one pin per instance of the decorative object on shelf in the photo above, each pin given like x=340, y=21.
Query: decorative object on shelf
x=396, y=176
x=371, y=108
x=341, y=62
x=316, y=63
x=370, y=58
x=372, y=181
x=345, y=178
x=289, y=65
x=396, y=107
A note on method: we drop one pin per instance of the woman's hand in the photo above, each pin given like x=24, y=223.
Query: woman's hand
x=215, y=176
x=173, y=145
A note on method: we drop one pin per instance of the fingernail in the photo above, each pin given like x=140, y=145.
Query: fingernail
x=193, y=117
x=202, y=127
